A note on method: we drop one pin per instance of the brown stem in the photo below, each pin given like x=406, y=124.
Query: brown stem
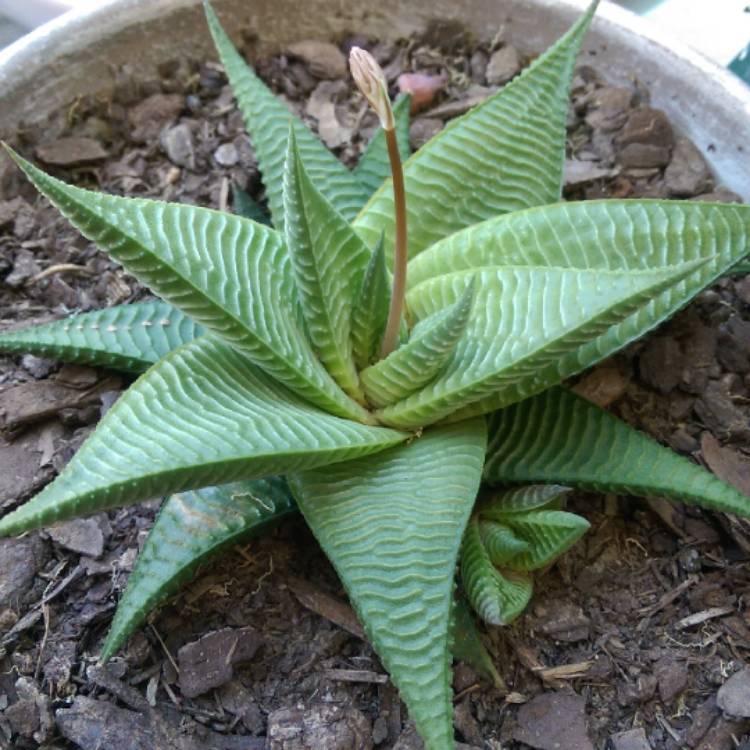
x=400, y=255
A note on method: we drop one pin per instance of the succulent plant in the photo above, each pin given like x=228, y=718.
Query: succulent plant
x=307, y=365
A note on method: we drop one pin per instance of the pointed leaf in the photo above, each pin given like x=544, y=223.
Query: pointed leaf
x=524, y=321
x=500, y=542
x=613, y=235
x=329, y=261
x=468, y=646
x=497, y=599
x=417, y=362
x=608, y=235
x=505, y=155
x=522, y=500
x=192, y=528
x=228, y=273
x=370, y=309
x=126, y=337
x=202, y=415
x=391, y=525
x=549, y=533
x=248, y=208
x=374, y=167
x=558, y=436
x=267, y=121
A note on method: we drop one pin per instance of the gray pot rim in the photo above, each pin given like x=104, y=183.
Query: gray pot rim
x=706, y=102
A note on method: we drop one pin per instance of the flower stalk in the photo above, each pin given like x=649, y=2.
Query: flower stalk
x=370, y=80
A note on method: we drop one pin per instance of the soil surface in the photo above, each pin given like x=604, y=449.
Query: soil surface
x=638, y=638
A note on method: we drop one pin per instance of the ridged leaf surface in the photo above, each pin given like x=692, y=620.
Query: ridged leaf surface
x=549, y=533
x=522, y=500
x=559, y=437
x=391, y=525
x=608, y=235
x=329, y=262
x=192, y=528
x=126, y=337
x=374, y=167
x=267, y=121
x=227, y=273
x=498, y=599
x=202, y=415
x=418, y=361
x=501, y=542
x=504, y=155
x=524, y=321
x=370, y=309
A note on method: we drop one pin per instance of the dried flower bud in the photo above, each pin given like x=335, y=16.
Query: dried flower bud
x=370, y=80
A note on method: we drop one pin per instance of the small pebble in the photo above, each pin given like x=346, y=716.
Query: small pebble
x=734, y=695
x=323, y=59
x=503, y=65
x=226, y=155
x=177, y=142
x=633, y=739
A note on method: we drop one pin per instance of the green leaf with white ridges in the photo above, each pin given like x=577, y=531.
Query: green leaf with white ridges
x=374, y=167
x=126, y=337
x=549, y=533
x=496, y=598
x=611, y=235
x=191, y=529
x=391, y=524
x=505, y=155
x=267, y=120
x=523, y=499
x=202, y=415
x=370, y=309
x=227, y=273
x=329, y=262
x=559, y=437
x=600, y=235
x=524, y=321
x=500, y=542
x=415, y=363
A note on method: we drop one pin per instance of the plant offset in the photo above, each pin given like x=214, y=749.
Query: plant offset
x=397, y=338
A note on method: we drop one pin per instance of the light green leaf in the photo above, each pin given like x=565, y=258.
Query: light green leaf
x=374, y=167
x=608, y=235
x=191, y=529
x=496, y=598
x=560, y=437
x=227, y=273
x=370, y=309
x=329, y=262
x=500, y=542
x=611, y=235
x=126, y=337
x=549, y=533
x=525, y=320
x=391, y=525
x=468, y=646
x=417, y=362
x=267, y=120
x=202, y=415
x=505, y=155
x=522, y=500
